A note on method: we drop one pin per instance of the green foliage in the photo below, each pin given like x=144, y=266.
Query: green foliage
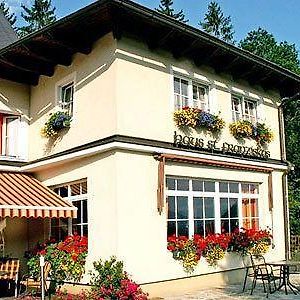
x=264, y=44
x=107, y=273
x=217, y=24
x=11, y=17
x=292, y=134
x=39, y=15
x=166, y=7
x=67, y=260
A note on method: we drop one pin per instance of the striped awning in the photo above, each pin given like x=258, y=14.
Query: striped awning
x=21, y=195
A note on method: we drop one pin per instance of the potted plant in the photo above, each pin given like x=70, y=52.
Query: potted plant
x=57, y=122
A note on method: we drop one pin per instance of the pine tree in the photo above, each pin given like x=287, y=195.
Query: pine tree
x=11, y=17
x=217, y=24
x=166, y=7
x=37, y=16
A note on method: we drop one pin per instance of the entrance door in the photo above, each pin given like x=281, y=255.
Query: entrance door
x=10, y=136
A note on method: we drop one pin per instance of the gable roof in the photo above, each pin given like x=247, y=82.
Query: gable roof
x=7, y=33
x=39, y=53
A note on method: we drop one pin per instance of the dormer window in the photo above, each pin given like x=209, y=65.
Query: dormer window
x=67, y=98
x=190, y=93
x=243, y=109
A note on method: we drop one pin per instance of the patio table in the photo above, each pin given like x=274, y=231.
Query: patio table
x=285, y=275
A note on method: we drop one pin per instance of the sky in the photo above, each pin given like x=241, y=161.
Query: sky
x=280, y=17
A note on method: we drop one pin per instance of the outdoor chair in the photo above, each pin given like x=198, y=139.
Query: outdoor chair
x=9, y=271
x=249, y=270
x=34, y=285
x=264, y=273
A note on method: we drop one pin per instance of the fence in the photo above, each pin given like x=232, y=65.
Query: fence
x=295, y=245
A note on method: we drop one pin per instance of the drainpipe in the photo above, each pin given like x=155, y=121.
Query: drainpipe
x=284, y=176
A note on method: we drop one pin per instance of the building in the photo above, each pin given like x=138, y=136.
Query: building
x=7, y=34
x=123, y=163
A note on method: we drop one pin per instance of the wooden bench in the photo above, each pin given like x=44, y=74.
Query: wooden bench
x=9, y=271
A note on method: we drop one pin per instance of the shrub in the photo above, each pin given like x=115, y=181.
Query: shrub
x=110, y=281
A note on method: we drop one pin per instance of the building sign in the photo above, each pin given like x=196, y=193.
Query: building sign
x=184, y=141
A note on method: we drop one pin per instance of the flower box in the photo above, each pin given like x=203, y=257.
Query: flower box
x=259, y=132
x=198, y=119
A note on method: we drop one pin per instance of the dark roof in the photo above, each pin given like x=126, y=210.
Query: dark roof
x=39, y=53
x=7, y=33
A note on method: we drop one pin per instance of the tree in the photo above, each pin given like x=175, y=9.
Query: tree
x=217, y=24
x=264, y=44
x=37, y=16
x=11, y=17
x=166, y=7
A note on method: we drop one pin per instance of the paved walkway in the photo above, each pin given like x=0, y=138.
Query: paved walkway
x=234, y=292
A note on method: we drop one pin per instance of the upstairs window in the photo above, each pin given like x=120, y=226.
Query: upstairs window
x=66, y=98
x=190, y=93
x=9, y=135
x=243, y=109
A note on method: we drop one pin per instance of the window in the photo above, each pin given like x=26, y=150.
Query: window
x=189, y=93
x=77, y=194
x=9, y=134
x=243, y=108
x=66, y=98
x=250, y=206
x=198, y=206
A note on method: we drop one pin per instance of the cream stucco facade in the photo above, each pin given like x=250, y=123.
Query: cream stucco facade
x=122, y=88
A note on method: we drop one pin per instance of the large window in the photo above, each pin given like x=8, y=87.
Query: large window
x=243, y=108
x=190, y=93
x=77, y=194
x=196, y=206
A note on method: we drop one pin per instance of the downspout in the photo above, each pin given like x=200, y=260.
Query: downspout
x=284, y=176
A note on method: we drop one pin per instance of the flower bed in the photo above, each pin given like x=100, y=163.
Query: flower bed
x=244, y=129
x=196, y=118
x=214, y=247
x=57, y=122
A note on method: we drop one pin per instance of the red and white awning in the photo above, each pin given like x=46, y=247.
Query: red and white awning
x=21, y=195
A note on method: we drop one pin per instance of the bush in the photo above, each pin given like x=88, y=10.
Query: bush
x=109, y=281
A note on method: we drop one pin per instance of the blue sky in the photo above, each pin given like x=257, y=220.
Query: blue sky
x=279, y=17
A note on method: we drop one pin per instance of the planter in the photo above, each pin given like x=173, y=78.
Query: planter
x=57, y=122
x=198, y=119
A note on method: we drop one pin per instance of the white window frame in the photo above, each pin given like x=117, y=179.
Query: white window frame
x=80, y=198
x=59, y=88
x=217, y=195
x=5, y=137
x=242, y=109
x=190, y=96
